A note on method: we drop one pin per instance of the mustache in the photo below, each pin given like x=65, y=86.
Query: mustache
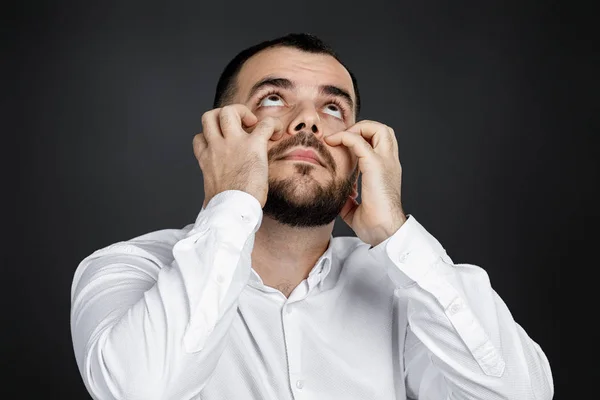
x=304, y=139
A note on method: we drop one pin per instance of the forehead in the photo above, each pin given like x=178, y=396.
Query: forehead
x=306, y=70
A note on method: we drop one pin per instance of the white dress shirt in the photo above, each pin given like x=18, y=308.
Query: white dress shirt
x=181, y=314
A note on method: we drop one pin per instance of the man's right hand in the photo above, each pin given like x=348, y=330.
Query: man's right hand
x=232, y=151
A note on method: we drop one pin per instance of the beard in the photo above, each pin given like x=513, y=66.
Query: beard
x=318, y=208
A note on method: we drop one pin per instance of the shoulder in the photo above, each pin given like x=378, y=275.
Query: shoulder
x=354, y=258
x=344, y=246
x=156, y=246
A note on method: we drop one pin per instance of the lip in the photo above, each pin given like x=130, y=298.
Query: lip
x=303, y=155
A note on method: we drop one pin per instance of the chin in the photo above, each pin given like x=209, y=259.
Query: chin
x=299, y=190
x=301, y=200
x=304, y=191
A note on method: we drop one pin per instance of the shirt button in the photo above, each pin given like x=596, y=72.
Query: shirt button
x=403, y=257
x=300, y=384
x=220, y=278
x=288, y=309
x=456, y=307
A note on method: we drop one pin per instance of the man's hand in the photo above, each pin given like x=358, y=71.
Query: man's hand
x=380, y=212
x=232, y=151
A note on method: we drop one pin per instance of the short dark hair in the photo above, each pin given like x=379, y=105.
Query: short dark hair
x=302, y=41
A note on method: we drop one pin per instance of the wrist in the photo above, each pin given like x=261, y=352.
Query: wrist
x=391, y=228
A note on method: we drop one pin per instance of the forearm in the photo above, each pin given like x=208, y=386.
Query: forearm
x=474, y=343
x=459, y=328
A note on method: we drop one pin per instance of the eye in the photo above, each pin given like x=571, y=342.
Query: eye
x=335, y=110
x=271, y=100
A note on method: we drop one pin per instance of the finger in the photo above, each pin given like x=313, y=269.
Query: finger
x=269, y=128
x=233, y=118
x=210, y=126
x=199, y=144
x=355, y=142
x=381, y=137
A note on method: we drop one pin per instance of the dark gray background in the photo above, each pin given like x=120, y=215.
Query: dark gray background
x=495, y=133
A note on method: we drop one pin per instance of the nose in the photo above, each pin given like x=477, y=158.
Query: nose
x=307, y=118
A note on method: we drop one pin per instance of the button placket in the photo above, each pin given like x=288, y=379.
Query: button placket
x=292, y=336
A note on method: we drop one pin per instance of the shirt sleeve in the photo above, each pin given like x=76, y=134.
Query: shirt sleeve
x=144, y=330
x=462, y=341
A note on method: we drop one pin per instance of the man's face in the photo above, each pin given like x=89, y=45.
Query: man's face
x=313, y=96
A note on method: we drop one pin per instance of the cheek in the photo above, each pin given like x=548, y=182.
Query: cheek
x=344, y=159
x=333, y=125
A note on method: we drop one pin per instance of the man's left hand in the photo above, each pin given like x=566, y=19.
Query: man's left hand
x=380, y=213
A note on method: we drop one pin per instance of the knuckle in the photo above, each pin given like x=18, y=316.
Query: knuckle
x=209, y=115
x=225, y=111
x=225, y=117
x=199, y=153
x=199, y=156
x=205, y=118
x=198, y=140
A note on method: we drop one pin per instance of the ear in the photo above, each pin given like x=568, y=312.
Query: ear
x=354, y=194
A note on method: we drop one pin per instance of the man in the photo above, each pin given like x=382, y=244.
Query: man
x=257, y=300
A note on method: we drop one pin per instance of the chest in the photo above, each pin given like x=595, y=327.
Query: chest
x=338, y=344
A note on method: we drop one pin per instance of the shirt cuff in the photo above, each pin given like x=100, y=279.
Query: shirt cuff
x=410, y=254
x=227, y=209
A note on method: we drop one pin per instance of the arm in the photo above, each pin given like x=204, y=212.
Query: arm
x=142, y=330
x=462, y=341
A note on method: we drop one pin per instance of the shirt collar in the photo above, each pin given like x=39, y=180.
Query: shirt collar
x=322, y=267
x=317, y=274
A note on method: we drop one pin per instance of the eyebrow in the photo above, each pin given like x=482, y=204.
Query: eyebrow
x=283, y=83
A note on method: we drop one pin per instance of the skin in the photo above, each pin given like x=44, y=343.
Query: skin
x=284, y=255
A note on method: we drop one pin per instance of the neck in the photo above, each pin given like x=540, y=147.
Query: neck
x=283, y=255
